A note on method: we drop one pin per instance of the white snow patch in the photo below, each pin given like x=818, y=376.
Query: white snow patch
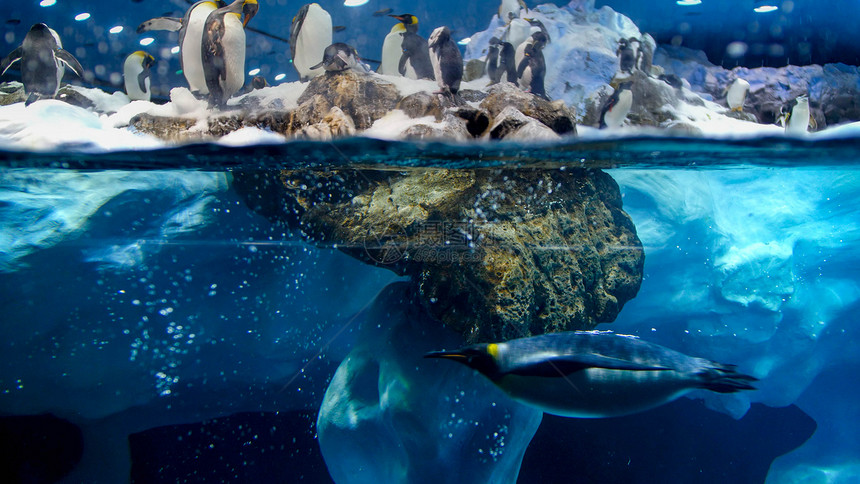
x=251, y=136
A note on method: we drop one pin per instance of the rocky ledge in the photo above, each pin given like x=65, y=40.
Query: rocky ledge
x=494, y=253
x=346, y=103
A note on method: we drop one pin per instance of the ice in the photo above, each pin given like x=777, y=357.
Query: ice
x=391, y=416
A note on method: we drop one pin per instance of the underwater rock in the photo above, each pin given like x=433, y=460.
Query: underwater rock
x=365, y=98
x=389, y=415
x=497, y=253
x=553, y=114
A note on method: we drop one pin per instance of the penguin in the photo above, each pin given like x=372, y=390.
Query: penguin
x=537, y=24
x=616, y=108
x=136, y=72
x=798, y=120
x=447, y=62
x=223, y=49
x=43, y=62
x=594, y=374
x=392, y=51
x=626, y=56
x=510, y=9
x=736, y=94
x=339, y=57
x=190, y=28
x=532, y=69
x=310, y=34
x=521, y=50
x=508, y=63
x=414, y=60
x=518, y=31
x=645, y=54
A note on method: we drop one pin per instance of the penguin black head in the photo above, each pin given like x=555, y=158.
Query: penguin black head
x=407, y=19
x=625, y=86
x=540, y=39
x=249, y=9
x=148, y=60
x=477, y=357
x=623, y=43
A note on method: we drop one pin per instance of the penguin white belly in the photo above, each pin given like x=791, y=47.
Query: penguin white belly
x=519, y=31
x=798, y=122
x=507, y=7
x=597, y=392
x=526, y=81
x=131, y=70
x=615, y=117
x=436, y=62
x=391, y=51
x=737, y=94
x=314, y=36
x=192, y=59
x=234, y=55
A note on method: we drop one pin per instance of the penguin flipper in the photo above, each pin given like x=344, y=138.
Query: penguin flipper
x=401, y=66
x=10, y=59
x=69, y=60
x=141, y=79
x=563, y=365
x=171, y=24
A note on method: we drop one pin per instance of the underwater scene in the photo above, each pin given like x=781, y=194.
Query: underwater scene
x=418, y=242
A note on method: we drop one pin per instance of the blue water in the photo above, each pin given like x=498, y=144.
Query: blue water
x=191, y=339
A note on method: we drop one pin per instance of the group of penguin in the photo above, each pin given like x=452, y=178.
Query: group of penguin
x=796, y=117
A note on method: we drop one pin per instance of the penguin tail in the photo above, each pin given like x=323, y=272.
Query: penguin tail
x=725, y=379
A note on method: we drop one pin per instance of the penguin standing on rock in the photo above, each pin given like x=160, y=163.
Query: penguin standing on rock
x=617, y=107
x=626, y=56
x=797, y=121
x=736, y=94
x=136, y=73
x=447, y=63
x=310, y=34
x=594, y=374
x=43, y=62
x=414, y=60
x=532, y=68
x=190, y=28
x=392, y=50
x=223, y=49
x=645, y=54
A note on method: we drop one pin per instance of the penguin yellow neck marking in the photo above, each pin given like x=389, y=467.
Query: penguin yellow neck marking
x=493, y=350
x=210, y=4
x=399, y=27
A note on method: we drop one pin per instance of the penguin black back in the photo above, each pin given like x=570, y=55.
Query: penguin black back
x=447, y=61
x=41, y=58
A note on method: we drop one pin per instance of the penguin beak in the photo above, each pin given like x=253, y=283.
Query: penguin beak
x=248, y=11
x=448, y=355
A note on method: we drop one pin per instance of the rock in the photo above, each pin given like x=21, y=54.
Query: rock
x=477, y=120
x=173, y=129
x=472, y=95
x=335, y=124
x=742, y=115
x=68, y=94
x=511, y=124
x=364, y=98
x=496, y=254
x=421, y=104
x=474, y=70
x=554, y=115
x=451, y=128
x=652, y=101
x=11, y=93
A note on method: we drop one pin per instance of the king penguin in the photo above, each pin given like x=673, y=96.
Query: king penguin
x=190, y=28
x=736, y=94
x=43, y=62
x=798, y=120
x=447, y=63
x=310, y=34
x=594, y=374
x=136, y=72
x=414, y=60
x=223, y=49
x=532, y=68
x=392, y=51
x=617, y=107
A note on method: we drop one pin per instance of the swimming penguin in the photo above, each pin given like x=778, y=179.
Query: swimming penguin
x=447, y=62
x=43, y=62
x=736, y=94
x=223, y=49
x=798, y=120
x=617, y=107
x=594, y=374
x=510, y=9
x=190, y=28
x=626, y=56
x=339, y=57
x=532, y=69
x=136, y=72
x=310, y=34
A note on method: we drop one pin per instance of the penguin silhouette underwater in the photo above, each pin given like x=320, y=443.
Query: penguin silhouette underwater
x=594, y=374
